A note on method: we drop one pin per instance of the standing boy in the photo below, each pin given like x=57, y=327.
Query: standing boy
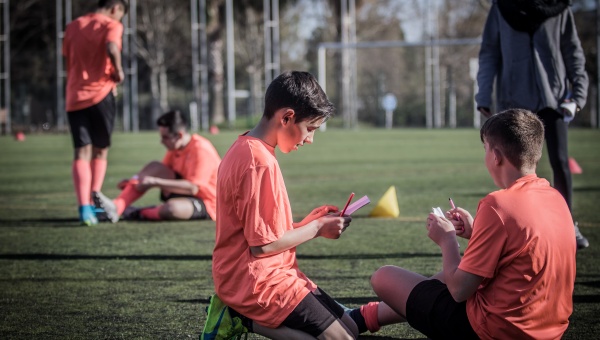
x=516, y=278
x=258, y=283
x=186, y=177
x=92, y=51
x=531, y=49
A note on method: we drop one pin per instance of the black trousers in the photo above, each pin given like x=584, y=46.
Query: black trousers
x=556, y=143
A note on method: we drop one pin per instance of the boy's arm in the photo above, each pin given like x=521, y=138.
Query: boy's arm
x=326, y=226
x=315, y=214
x=178, y=186
x=461, y=284
x=115, y=57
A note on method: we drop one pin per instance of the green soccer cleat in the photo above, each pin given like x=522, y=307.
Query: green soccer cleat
x=87, y=216
x=220, y=325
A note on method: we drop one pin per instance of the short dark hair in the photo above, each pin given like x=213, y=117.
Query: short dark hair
x=518, y=134
x=301, y=92
x=174, y=120
x=109, y=3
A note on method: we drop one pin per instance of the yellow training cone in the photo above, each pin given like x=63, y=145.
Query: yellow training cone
x=387, y=205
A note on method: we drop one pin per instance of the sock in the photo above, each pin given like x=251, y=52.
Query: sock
x=150, y=214
x=369, y=312
x=98, y=173
x=359, y=320
x=246, y=322
x=127, y=196
x=82, y=181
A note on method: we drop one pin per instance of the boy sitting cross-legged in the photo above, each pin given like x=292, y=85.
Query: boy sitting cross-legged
x=516, y=277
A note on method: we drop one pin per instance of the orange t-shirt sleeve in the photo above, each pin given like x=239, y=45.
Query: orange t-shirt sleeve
x=115, y=34
x=200, y=166
x=486, y=244
x=255, y=205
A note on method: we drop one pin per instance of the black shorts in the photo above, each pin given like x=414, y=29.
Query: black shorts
x=199, y=207
x=314, y=314
x=93, y=125
x=431, y=310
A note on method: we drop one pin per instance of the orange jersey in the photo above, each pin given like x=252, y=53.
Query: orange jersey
x=198, y=163
x=254, y=210
x=89, y=68
x=523, y=244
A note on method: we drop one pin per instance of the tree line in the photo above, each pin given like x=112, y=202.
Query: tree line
x=164, y=54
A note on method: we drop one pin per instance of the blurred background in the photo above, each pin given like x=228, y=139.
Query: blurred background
x=383, y=63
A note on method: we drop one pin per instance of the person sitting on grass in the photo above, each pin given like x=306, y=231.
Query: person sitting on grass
x=186, y=177
x=259, y=287
x=516, y=277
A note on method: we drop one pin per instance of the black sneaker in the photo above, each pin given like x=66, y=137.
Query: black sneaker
x=582, y=242
x=132, y=214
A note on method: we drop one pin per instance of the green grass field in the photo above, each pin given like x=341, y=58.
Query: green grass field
x=59, y=280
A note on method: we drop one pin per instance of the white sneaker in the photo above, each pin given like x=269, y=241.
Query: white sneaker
x=582, y=242
x=106, y=204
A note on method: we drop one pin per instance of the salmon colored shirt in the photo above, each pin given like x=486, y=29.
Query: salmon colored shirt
x=254, y=210
x=89, y=68
x=198, y=162
x=523, y=244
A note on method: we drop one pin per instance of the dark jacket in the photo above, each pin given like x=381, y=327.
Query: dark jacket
x=533, y=70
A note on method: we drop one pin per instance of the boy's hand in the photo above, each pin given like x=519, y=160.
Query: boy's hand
x=440, y=229
x=146, y=182
x=317, y=213
x=464, y=224
x=332, y=227
x=485, y=111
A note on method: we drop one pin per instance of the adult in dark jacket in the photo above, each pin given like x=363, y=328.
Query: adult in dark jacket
x=531, y=49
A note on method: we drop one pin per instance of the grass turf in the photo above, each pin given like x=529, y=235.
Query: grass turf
x=152, y=280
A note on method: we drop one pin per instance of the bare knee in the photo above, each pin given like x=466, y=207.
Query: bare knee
x=99, y=153
x=83, y=153
x=177, y=210
x=157, y=169
x=337, y=331
x=380, y=277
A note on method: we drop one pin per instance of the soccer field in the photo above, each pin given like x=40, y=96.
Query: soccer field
x=144, y=280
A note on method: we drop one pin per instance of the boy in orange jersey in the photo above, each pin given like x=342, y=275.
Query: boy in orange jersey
x=259, y=286
x=186, y=177
x=516, y=277
x=92, y=51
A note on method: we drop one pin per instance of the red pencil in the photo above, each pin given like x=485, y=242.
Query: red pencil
x=347, y=204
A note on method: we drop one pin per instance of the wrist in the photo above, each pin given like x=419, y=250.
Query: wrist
x=449, y=243
x=315, y=226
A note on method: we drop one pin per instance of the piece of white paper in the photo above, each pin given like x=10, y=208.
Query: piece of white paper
x=438, y=211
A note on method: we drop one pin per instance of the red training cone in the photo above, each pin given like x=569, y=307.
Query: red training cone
x=20, y=136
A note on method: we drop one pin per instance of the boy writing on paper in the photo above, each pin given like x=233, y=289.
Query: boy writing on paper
x=516, y=277
x=258, y=283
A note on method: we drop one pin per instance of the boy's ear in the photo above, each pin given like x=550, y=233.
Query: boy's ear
x=498, y=156
x=287, y=116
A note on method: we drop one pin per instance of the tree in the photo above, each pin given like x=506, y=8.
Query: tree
x=162, y=28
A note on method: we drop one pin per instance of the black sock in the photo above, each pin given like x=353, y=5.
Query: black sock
x=359, y=320
x=246, y=322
